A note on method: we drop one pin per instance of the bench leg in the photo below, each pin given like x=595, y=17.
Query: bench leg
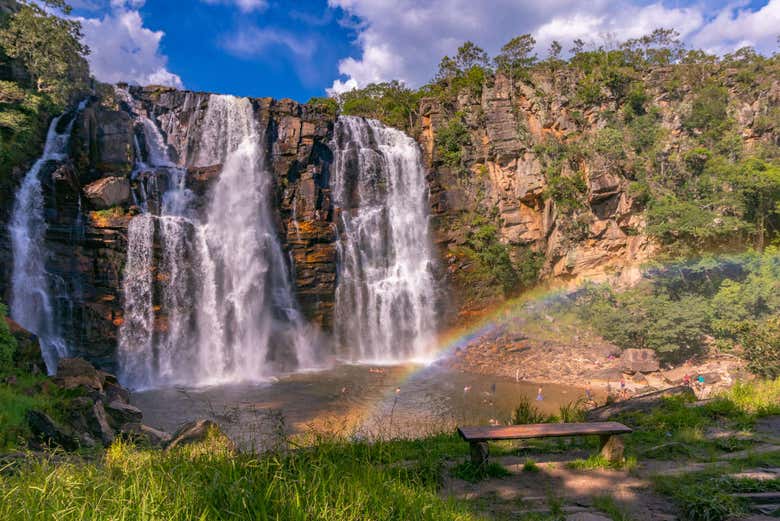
x=479, y=453
x=611, y=447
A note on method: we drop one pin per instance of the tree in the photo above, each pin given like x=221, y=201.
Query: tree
x=516, y=54
x=554, y=53
x=448, y=69
x=759, y=184
x=49, y=47
x=470, y=55
x=577, y=46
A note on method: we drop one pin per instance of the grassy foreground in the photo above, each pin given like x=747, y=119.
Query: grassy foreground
x=340, y=479
x=330, y=480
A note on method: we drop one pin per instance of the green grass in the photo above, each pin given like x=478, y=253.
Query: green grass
x=707, y=495
x=28, y=392
x=331, y=480
x=597, y=461
x=608, y=505
x=467, y=471
x=530, y=466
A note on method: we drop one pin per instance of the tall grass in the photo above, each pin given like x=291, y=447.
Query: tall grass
x=334, y=480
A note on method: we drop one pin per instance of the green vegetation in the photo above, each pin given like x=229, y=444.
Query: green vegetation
x=330, y=480
x=729, y=303
x=530, y=466
x=450, y=142
x=597, y=461
x=492, y=265
x=707, y=495
x=49, y=47
x=7, y=344
x=392, y=103
x=467, y=471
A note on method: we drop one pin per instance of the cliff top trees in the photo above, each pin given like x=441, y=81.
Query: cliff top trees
x=49, y=47
x=516, y=54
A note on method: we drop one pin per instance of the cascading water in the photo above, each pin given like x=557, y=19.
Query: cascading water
x=225, y=293
x=32, y=302
x=385, y=293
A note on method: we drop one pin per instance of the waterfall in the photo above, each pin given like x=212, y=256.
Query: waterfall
x=32, y=301
x=385, y=294
x=224, y=287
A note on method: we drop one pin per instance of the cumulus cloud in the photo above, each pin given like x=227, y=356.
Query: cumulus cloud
x=405, y=39
x=244, y=6
x=123, y=49
x=249, y=41
x=733, y=28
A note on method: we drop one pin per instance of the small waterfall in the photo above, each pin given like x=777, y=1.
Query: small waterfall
x=135, y=334
x=32, y=301
x=224, y=287
x=385, y=294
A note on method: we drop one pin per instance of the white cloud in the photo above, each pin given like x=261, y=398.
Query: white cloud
x=733, y=28
x=245, y=6
x=251, y=41
x=122, y=49
x=405, y=39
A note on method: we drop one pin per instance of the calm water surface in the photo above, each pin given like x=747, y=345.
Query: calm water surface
x=355, y=400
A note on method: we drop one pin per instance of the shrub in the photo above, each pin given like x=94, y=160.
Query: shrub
x=526, y=412
x=7, y=344
x=450, y=140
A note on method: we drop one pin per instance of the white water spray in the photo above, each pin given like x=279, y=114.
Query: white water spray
x=225, y=293
x=385, y=294
x=32, y=302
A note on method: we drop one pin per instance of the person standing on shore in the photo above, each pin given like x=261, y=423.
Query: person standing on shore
x=539, y=396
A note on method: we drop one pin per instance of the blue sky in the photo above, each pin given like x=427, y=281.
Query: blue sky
x=306, y=48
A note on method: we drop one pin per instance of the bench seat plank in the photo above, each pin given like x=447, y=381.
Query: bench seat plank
x=541, y=430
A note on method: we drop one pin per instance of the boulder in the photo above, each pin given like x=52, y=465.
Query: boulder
x=77, y=372
x=144, y=433
x=108, y=192
x=27, y=356
x=120, y=413
x=99, y=424
x=639, y=361
x=116, y=393
x=193, y=432
x=641, y=403
x=46, y=431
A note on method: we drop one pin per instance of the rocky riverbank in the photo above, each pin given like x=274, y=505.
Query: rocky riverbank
x=562, y=354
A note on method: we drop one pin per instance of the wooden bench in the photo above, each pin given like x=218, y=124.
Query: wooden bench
x=611, y=445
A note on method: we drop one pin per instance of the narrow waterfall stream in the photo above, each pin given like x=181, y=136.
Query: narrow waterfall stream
x=32, y=301
x=224, y=289
x=385, y=294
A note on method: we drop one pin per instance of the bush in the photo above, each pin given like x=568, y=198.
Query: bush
x=450, y=140
x=760, y=341
x=526, y=412
x=7, y=344
x=709, y=111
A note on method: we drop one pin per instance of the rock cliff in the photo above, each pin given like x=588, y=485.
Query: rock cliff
x=534, y=167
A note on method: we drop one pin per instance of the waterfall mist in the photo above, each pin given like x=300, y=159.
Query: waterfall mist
x=224, y=292
x=32, y=300
x=385, y=293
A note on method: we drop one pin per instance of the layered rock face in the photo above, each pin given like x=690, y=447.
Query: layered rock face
x=91, y=196
x=517, y=132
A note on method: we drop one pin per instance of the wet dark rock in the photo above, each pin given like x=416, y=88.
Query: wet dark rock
x=48, y=432
x=108, y=192
x=120, y=413
x=77, y=372
x=116, y=393
x=193, y=432
x=139, y=432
